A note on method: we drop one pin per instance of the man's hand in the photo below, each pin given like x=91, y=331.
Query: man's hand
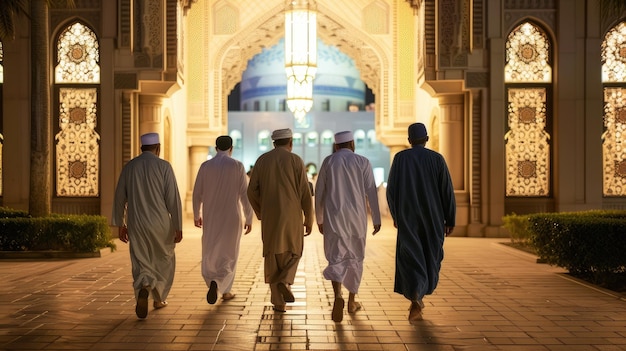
x=448, y=230
x=376, y=229
x=198, y=222
x=179, y=236
x=308, y=229
x=320, y=227
x=123, y=234
x=248, y=228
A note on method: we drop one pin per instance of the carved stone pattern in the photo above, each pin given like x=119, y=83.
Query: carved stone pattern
x=477, y=80
x=171, y=44
x=91, y=17
x=529, y=4
x=430, y=25
x=141, y=59
x=124, y=24
x=479, y=24
x=154, y=13
x=126, y=128
x=448, y=20
x=547, y=16
x=267, y=30
x=363, y=55
x=225, y=20
x=476, y=142
x=454, y=33
x=376, y=18
x=88, y=4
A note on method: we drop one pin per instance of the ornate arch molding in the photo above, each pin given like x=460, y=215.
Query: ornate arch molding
x=267, y=31
x=234, y=55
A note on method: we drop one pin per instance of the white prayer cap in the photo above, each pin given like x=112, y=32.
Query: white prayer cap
x=150, y=139
x=343, y=137
x=282, y=134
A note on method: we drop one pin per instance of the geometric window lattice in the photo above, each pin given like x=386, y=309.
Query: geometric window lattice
x=527, y=56
x=77, y=143
x=1, y=117
x=77, y=56
x=614, y=142
x=614, y=55
x=614, y=114
x=527, y=146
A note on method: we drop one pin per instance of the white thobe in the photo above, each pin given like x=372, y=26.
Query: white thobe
x=147, y=194
x=220, y=192
x=345, y=186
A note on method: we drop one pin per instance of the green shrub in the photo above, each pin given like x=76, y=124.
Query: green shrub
x=518, y=227
x=590, y=244
x=73, y=233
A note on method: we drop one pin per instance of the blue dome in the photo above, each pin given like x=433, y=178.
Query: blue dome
x=337, y=83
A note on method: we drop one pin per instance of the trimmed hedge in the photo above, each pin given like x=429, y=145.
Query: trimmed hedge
x=590, y=243
x=72, y=233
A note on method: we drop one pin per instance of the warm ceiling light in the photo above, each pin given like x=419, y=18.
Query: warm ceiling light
x=300, y=55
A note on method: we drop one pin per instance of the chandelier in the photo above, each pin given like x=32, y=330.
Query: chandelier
x=300, y=55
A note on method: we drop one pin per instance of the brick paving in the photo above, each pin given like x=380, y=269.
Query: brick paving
x=490, y=297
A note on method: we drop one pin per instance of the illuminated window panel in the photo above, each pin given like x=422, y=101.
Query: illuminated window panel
x=77, y=75
x=614, y=55
x=527, y=56
x=614, y=117
x=77, y=148
x=613, y=143
x=1, y=132
x=527, y=144
x=77, y=56
x=528, y=74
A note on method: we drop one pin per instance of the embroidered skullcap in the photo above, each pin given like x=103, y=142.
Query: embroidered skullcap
x=150, y=139
x=224, y=142
x=282, y=134
x=417, y=131
x=343, y=137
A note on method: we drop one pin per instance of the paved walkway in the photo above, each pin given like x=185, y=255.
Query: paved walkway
x=490, y=297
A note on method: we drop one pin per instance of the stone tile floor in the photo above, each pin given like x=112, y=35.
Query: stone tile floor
x=490, y=297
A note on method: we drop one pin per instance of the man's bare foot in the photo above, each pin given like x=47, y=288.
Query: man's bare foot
x=354, y=306
x=228, y=296
x=338, y=309
x=415, y=311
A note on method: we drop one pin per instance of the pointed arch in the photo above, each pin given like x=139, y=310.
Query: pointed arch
x=528, y=85
x=76, y=126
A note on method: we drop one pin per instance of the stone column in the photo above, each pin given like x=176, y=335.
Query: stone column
x=151, y=115
x=197, y=155
x=452, y=137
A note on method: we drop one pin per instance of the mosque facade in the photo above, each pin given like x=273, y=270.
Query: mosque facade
x=524, y=99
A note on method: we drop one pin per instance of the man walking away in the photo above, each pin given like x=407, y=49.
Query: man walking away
x=219, y=195
x=345, y=187
x=147, y=209
x=279, y=194
x=421, y=202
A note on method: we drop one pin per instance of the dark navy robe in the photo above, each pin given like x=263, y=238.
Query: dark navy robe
x=421, y=201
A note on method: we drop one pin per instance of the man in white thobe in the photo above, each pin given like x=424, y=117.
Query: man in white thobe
x=345, y=187
x=147, y=209
x=219, y=194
